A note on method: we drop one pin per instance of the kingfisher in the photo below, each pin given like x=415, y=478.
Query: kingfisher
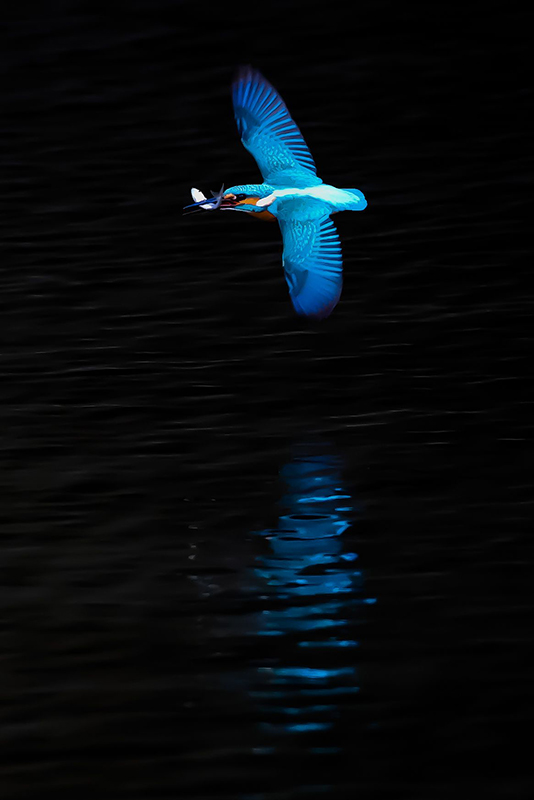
x=291, y=193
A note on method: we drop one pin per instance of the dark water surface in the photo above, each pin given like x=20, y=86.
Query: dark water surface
x=244, y=555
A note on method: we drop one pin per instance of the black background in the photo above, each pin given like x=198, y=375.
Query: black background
x=154, y=380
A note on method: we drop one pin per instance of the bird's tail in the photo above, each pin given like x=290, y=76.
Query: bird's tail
x=359, y=202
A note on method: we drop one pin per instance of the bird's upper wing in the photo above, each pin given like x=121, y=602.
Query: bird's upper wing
x=267, y=130
x=313, y=265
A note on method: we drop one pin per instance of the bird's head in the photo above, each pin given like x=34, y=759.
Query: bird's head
x=234, y=199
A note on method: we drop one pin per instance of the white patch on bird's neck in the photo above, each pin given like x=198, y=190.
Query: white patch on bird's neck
x=266, y=201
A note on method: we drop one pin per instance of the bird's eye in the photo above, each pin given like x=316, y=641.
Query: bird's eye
x=240, y=197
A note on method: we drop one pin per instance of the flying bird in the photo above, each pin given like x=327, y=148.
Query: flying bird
x=291, y=192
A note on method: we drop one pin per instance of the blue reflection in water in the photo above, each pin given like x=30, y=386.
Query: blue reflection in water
x=314, y=596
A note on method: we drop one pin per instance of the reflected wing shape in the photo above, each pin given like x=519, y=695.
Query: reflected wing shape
x=313, y=265
x=267, y=130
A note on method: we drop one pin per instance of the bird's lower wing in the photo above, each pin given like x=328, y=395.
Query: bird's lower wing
x=313, y=265
x=267, y=130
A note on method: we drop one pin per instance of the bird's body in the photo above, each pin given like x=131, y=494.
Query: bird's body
x=291, y=193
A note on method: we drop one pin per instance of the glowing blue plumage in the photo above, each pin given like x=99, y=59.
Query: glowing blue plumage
x=269, y=133
x=292, y=193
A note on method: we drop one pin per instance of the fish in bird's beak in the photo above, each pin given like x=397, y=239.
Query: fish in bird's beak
x=217, y=201
x=201, y=202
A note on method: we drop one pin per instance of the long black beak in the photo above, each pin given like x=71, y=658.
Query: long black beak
x=214, y=202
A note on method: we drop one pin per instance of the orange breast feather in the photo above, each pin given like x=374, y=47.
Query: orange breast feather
x=266, y=216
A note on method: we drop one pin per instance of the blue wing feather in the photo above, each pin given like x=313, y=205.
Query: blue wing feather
x=268, y=132
x=313, y=265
